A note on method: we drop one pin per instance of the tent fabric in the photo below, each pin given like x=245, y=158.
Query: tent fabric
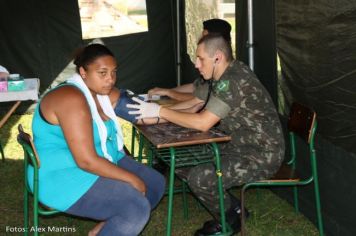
x=38, y=39
x=316, y=43
x=147, y=59
x=188, y=70
x=265, y=58
x=336, y=173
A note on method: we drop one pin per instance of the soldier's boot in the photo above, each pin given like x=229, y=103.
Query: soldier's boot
x=233, y=218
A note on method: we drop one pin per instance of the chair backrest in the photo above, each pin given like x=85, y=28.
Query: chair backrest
x=26, y=142
x=302, y=121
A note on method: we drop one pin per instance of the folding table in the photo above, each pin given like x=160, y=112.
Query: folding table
x=29, y=93
x=180, y=147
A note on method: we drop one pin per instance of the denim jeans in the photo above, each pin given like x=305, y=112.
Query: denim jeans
x=124, y=209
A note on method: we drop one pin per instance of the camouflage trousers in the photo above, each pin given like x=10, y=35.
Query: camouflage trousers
x=203, y=181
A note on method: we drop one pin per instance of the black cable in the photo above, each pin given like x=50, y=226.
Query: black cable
x=208, y=97
x=210, y=81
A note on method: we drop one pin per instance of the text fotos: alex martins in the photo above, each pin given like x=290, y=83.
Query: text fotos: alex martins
x=48, y=229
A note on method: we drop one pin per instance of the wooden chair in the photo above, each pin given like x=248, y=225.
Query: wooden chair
x=31, y=159
x=301, y=122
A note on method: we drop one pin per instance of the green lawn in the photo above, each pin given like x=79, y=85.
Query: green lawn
x=270, y=215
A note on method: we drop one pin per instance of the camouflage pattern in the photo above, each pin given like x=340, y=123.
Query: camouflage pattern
x=250, y=117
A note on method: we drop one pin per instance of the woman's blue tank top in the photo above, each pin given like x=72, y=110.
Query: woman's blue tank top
x=61, y=181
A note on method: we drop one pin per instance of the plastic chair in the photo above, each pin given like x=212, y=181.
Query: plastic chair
x=301, y=122
x=31, y=158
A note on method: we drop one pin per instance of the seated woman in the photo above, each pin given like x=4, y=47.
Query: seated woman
x=84, y=171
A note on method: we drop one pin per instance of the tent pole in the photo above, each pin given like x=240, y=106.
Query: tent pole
x=178, y=45
x=250, y=34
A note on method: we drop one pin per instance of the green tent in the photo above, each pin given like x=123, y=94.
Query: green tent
x=315, y=41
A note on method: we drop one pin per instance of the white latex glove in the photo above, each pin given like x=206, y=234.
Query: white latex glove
x=144, y=109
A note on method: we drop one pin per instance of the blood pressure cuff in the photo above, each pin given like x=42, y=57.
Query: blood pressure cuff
x=121, y=110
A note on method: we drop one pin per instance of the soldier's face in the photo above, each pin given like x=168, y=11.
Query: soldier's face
x=204, y=63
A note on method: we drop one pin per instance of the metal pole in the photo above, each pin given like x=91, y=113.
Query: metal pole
x=178, y=45
x=250, y=33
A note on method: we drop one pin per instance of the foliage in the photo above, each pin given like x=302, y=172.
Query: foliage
x=196, y=13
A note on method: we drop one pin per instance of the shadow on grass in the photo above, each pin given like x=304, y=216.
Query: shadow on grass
x=11, y=206
x=5, y=132
x=8, y=134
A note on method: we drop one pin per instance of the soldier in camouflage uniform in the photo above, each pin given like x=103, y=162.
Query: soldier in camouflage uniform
x=247, y=114
x=241, y=107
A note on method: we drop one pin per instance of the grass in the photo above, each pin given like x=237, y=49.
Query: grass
x=270, y=215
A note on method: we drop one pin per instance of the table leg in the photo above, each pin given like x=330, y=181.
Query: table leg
x=133, y=135
x=8, y=114
x=150, y=157
x=140, y=148
x=220, y=186
x=170, y=191
x=184, y=195
x=3, y=121
x=2, y=152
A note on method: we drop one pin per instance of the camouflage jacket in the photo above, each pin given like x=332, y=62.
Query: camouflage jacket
x=247, y=113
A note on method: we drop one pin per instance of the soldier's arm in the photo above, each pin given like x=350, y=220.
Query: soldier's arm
x=202, y=121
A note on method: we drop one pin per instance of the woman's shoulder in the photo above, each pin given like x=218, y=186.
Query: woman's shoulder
x=65, y=94
x=66, y=89
x=114, y=95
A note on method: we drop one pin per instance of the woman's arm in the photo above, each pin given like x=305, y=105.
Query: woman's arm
x=121, y=110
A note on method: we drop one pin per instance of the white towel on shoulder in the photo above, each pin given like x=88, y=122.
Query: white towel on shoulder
x=105, y=104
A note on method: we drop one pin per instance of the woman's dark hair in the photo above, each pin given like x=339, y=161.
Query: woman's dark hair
x=90, y=53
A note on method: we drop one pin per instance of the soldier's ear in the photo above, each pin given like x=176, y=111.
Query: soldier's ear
x=218, y=57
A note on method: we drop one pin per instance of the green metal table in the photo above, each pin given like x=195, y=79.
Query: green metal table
x=180, y=147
